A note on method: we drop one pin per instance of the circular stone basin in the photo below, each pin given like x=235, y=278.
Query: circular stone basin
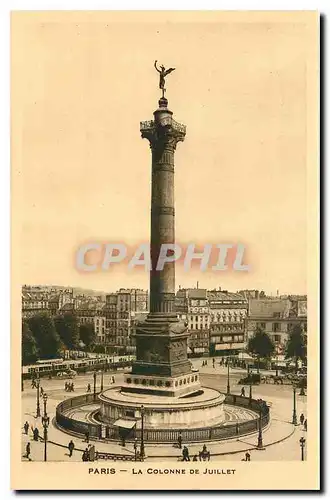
x=201, y=410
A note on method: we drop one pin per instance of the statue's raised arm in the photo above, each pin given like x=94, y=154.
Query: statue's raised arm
x=155, y=64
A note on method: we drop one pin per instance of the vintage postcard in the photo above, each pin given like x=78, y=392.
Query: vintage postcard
x=165, y=324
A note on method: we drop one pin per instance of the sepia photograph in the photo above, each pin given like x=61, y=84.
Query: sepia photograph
x=165, y=239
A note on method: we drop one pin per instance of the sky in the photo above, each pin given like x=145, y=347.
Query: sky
x=82, y=82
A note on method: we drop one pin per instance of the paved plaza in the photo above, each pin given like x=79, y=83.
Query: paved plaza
x=280, y=438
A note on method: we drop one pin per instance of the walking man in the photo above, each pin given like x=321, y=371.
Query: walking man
x=185, y=454
x=26, y=427
x=305, y=425
x=28, y=451
x=87, y=437
x=243, y=392
x=302, y=419
x=71, y=448
x=180, y=440
x=89, y=388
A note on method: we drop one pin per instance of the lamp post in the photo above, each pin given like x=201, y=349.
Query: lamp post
x=102, y=381
x=260, y=445
x=142, y=433
x=302, y=441
x=250, y=394
x=135, y=449
x=45, y=423
x=294, y=413
x=38, y=397
x=228, y=381
x=277, y=353
x=94, y=389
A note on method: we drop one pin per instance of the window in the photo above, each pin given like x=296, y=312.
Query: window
x=277, y=338
x=276, y=327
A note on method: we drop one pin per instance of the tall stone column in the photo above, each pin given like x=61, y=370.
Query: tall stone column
x=162, y=366
x=163, y=134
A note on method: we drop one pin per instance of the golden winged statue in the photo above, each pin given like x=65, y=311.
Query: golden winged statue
x=162, y=73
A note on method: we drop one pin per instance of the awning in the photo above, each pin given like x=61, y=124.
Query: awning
x=126, y=424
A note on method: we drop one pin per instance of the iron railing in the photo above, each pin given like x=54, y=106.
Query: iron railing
x=108, y=432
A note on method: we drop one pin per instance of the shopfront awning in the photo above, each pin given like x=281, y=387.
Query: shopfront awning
x=125, y=424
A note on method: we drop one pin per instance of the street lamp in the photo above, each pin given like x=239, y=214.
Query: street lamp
x=260, y=445
x=135, y=449
x=102, y=381
x=94, y=377
x=228, y=382
x=142, y=433
x=38, y=397
x=302, y=441
x=294, y=413
x=45, y=423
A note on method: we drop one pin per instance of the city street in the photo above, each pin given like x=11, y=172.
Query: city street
x=279, y=398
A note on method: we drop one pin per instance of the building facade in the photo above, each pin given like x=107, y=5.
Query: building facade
x=228, y=312
x=277, y=317
x=192, y=307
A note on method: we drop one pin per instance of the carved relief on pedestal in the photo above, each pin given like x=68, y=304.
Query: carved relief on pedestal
x=178, y=351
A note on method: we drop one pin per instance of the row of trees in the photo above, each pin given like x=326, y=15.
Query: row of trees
x=261, y=346
x=46, y=337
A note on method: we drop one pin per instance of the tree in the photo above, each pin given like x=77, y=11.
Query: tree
x=296, y=347
x=29, y=345
x=68, y=330
x=44, y=331
x=260, y=345
x=87, y=334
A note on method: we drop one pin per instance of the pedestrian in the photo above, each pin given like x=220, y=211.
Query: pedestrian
x=302, y=419
x=87, y=437
x=66, y=386
x=247, y=457
x=243, y=392
x=71, y=448
x=72, y=387
x=41, y=391
x=33, y=384
x=89, y=388
x=28, y=451
x=185, y=454
x=305, y=425
x=26, y=427
x=85, y=455
x=195, y=459
x=180, y=440
x=35, y=434
x=113, y=379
